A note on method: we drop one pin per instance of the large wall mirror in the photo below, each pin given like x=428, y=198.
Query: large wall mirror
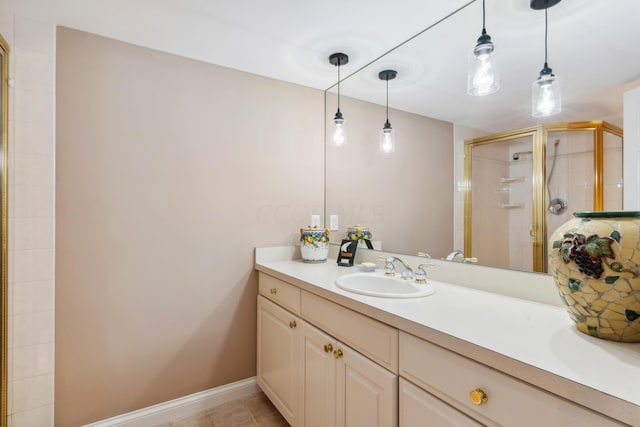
x=413, y=200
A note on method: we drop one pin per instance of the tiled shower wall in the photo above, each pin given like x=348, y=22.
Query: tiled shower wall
x=31, y=219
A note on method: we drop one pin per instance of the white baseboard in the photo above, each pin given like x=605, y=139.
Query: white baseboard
x=182, y=407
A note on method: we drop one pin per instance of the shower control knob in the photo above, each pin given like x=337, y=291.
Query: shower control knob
x=557, y=206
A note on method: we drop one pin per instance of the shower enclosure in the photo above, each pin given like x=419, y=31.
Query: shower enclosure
x=521, y=185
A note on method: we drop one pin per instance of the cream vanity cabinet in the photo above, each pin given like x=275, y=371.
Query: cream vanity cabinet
x=323, y=364
x=480, y=395
x=315, y=364
x=277, y=355
x=341, y=387
x=417, y=406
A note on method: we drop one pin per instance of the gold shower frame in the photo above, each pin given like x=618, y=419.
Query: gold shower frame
x=4, y=287
x=539, y=134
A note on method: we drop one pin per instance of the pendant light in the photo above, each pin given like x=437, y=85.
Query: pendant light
x=387, y=137
x=338, y=131
x=546, y=95
x=483, y=77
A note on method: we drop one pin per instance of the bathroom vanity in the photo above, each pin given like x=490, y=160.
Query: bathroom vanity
x=460, y=357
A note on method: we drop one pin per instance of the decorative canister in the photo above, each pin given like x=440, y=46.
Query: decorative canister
x=361, y=234
x=595, y=262
x=314, y=244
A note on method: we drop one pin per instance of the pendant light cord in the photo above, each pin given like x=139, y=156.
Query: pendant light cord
x=339, y=61
x=387, y=100
x=545, y=34
x=484, y=30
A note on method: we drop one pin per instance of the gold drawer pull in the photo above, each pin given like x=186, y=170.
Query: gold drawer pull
x=338, y=354
x=328, y=348
x=478, y=396
x=293, y=324
x=274, y=291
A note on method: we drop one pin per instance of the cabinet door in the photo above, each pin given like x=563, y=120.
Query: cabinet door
x=367, y=393
x=277, y=357
x=419, y=408
x=318, y=375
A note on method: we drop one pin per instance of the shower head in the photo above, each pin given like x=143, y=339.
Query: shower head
x=516, y=156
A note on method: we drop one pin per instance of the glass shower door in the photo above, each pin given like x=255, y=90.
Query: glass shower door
x=613, y=183
x=522, y=185
x=499, y=202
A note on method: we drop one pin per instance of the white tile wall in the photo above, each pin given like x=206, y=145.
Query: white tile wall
x=32, y=361
x=31, y=219
x=32, y=393
x=31, y=297
x=42, y=416
x=33, y=139
x=33, y=233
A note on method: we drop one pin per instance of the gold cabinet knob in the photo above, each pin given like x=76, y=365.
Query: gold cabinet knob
x=338, y=354
x=293, y=324
x=274, y=291
x=328, y=348
x=478, y=396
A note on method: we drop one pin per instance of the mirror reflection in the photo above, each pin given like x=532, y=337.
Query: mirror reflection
x=413, y=200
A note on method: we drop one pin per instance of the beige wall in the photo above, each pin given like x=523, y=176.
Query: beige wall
x=169, y=173
x=31, y=219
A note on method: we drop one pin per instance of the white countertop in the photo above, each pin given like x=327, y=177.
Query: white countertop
x=533, y=341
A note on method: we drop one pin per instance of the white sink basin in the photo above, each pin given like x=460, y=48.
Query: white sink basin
x=379, y=285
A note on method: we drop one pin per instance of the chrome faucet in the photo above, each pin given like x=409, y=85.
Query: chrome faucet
x=390, y=268
x=458, y=256
x=455, y=256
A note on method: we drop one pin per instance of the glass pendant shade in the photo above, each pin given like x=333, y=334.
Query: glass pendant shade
x=338, y=131
x=483, y=77
x=546, y=95
x=387, y=139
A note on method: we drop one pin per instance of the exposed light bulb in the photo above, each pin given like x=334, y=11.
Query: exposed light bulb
x=546, y=98
x=484, y=78
x=387, y=139
x=546, y=95
x=339, y=134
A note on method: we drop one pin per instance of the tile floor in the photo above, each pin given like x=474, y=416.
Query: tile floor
x=253, y=411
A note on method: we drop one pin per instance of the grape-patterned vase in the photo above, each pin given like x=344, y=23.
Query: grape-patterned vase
x=314, y=244
x=595, y=261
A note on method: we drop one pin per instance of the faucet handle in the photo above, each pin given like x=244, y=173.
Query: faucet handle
x=424, y=255
x=471, y=260
x=421, y=274
x=388, y=266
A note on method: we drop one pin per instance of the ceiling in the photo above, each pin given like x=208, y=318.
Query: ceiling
x=289, y=40
x=593, y=47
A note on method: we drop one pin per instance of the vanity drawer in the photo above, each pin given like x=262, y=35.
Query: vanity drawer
x=280, y=292
x=509, y=401
x=374, y=339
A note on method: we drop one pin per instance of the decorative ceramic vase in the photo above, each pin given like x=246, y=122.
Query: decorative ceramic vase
x=595, y=261
x=314, y=244
x=359, y=233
